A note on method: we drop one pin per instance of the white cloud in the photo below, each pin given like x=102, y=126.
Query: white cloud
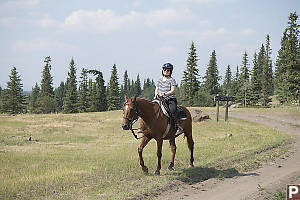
x=105, y=21
x=169, y=15
x=18, y=3
x=167, y=50
x=47, y=22
x=100, y=21
x=40, y=45
x=212, y=33
x=248, y=31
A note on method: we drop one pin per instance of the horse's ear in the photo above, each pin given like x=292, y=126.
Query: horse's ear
x=134, y=98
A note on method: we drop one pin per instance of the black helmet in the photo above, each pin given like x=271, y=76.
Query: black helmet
x=168, y=66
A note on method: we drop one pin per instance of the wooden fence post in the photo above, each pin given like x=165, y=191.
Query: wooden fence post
x=217, y=107
x=226, y=112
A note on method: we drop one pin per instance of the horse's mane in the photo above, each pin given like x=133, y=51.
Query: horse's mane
x=142, y=99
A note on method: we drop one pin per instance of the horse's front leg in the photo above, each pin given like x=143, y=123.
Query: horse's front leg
x=159, y=154
x=144, y=142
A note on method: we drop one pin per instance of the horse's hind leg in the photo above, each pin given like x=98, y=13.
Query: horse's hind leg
x=190, y=143
x=144, y=142
x=173, y=149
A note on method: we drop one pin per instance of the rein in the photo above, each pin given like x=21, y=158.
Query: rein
x=134, y=121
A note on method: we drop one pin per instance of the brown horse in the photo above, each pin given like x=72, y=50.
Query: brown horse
x=153, y=126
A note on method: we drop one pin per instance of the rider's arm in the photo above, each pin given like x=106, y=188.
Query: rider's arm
x=156, y=91
x=172, y=91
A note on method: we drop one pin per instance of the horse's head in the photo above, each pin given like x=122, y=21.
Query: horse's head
x=130, y=112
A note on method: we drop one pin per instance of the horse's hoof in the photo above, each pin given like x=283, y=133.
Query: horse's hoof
x=191, y=166
x=145, y=170
x=170, y=168
x=157, y=172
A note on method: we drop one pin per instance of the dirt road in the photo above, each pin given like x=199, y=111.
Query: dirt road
x=257, y=184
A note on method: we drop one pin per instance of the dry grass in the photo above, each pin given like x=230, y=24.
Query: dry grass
x=88, y=156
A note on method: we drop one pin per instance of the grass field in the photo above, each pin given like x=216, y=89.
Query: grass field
x=89, y=156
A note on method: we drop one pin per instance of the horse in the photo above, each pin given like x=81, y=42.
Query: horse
x=153, y=126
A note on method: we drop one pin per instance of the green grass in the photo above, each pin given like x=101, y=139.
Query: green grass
x=89, y=156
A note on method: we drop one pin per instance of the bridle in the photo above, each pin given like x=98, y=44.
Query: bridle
x=133, y=121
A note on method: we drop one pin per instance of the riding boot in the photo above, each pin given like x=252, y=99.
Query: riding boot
x=179, y=127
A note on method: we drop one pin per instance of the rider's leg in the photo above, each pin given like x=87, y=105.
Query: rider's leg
x=173, y=109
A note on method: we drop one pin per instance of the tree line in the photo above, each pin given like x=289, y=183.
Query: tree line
x=252, y=84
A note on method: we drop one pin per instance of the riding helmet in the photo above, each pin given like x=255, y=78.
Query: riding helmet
x=168, y=66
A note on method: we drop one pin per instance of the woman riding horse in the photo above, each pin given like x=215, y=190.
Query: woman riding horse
x=166, y=87
x=155, y=125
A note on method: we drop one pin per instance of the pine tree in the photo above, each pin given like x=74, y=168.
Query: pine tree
x=92, y=96
x=101, y=93
x=71, y=99
x=255, y=86
x=288, y=63
x=46, y=84
x=235, y=84
x=243, y=95
x=83, y=91
x=34, y=98
x=114, y=90
x=148, y=89
x=227, y=85
x=190, y=83
x=13, y=98
x=47, y=103
x=138, y=88
x=211, y=77
x=60, y=94
x=268, y=71
x=125, y=83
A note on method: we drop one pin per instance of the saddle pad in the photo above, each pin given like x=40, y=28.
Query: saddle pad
x=180, y=112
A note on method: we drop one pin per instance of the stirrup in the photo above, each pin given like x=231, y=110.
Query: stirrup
x=179, y=130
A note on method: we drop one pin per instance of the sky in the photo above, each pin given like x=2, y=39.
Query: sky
x=137, y=35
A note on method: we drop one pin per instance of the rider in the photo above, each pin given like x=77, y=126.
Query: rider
x=165, y=87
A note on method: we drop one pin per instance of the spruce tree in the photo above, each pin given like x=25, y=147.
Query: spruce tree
x=243, y=95
x=114, y=100
x=92, y=96
x=235, y=84
x=268, y=71
x=60, y=94
x=83, y=91
x=46, y=84
x=255, y=86
x=287, y=73
x=190, y=83
x=47, y=103
x=148, y=89
x=101, y=93
x=138, y=88
x=227, y=85
x=34, y=98
x=71, y=99
x=125, y=83
x=13, y=98
x=211, y=78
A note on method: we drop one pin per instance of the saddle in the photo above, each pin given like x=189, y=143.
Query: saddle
x=164, y=107
x=180, y=112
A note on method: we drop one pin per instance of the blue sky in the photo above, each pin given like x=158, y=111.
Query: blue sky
x=138, y=35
